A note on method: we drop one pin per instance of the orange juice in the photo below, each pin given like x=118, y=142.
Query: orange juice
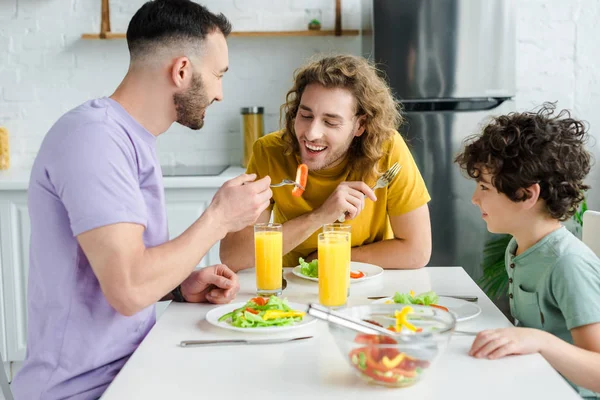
x=268, y=248
x=338, y=227
x=334, y=267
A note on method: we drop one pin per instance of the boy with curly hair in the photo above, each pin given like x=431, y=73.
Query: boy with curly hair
x=530, y=169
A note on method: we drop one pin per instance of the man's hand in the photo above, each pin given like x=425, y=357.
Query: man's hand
x=215, y=284
x=497, y=343
x=312, y=256
x=348, y=197
x=241, y=200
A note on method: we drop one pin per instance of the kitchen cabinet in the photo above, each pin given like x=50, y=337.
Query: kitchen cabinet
x=186, y=199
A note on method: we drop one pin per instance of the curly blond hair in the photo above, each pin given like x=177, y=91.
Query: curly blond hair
x=374, y=101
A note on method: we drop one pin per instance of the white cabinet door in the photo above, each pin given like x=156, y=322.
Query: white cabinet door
x=184, y=206
x=14, y=220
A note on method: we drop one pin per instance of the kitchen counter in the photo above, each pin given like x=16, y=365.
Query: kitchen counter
x=18, y=179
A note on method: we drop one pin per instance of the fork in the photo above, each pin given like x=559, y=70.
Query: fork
x=382, y=182
x=287, y=182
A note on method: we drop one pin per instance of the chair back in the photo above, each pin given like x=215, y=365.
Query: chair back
x=591, y=230
x=4, y=385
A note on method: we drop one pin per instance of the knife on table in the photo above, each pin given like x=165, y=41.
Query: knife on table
x=465, y=298
x=229, y=342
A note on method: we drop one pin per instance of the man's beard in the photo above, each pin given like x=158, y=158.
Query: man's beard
x=192, y=104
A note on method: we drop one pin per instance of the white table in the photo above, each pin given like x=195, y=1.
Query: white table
x=315, y=368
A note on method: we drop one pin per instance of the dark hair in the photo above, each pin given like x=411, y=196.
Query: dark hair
x=522, y=149
x=171, y=20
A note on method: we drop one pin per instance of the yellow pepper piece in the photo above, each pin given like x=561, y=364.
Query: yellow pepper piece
x=272, y=314
x=412, y=293
x=389, y=364
x=401, y=319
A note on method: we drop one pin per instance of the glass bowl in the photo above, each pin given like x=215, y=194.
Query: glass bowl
x=401, y=360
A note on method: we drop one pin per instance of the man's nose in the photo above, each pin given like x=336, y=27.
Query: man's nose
x=219, y=95
x=313, y=132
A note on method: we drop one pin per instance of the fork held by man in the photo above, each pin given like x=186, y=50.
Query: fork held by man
x=382, y=182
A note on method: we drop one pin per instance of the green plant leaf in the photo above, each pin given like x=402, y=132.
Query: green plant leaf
x=494, y=281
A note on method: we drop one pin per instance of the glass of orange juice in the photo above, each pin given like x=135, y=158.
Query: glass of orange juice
x=268, y=248
x=338, y=227
x=333, y=268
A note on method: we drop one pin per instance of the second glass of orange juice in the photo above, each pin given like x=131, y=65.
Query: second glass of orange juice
x=338, y=227
x=268, y=248
x=333, y=268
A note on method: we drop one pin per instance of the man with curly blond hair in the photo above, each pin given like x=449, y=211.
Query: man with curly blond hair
x=530, y=169
x=341, y=120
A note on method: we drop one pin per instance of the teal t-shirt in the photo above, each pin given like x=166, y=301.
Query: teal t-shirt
x=555, y=286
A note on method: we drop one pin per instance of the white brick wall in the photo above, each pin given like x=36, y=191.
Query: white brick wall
x=46, y=69
x=557, y=60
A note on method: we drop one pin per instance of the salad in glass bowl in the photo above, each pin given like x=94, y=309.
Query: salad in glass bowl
x=419, y=336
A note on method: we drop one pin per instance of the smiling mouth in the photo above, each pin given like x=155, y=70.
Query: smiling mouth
x=314, y=149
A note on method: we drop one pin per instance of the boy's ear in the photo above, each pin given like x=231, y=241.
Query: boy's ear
x=533, y=192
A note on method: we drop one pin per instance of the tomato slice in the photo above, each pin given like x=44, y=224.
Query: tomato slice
x=438, y=306
x=356, y=275
x=301, y=178
x=261, y=301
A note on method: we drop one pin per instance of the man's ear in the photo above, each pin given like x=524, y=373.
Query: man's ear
x=181, y=72
x=360, y=129
x=533, y=192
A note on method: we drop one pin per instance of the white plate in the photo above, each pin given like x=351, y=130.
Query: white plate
x=370, y=271
x=213, y=318
x=462, y=310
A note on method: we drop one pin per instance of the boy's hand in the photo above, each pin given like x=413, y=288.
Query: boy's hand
x=497, y=343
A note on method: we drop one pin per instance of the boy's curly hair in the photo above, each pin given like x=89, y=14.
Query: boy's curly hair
x=521, y=149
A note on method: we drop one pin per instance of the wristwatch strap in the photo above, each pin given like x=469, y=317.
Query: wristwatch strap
x=177, y=296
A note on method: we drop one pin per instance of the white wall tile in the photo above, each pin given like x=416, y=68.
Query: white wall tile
x=46, y=69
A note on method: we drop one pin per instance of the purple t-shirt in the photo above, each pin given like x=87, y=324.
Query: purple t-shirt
x=96, y=166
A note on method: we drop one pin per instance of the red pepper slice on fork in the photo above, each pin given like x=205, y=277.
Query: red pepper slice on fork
x=301, y=179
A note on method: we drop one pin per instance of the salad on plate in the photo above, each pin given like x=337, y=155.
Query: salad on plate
x=263, y=312
x=311, y=269
x=426, y=299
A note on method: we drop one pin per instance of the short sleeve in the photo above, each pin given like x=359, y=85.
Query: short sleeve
x=407, y=191
x=96, y=178
x=576, y=287
x=257, y=164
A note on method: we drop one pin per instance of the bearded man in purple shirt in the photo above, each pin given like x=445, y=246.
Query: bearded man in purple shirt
x=100, y=253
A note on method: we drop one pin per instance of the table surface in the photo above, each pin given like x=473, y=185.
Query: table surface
x=161, y=369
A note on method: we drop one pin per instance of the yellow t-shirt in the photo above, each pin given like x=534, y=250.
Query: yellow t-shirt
x=405, y=193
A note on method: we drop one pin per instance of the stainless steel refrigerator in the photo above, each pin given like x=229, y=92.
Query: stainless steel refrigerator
x=451, y=63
